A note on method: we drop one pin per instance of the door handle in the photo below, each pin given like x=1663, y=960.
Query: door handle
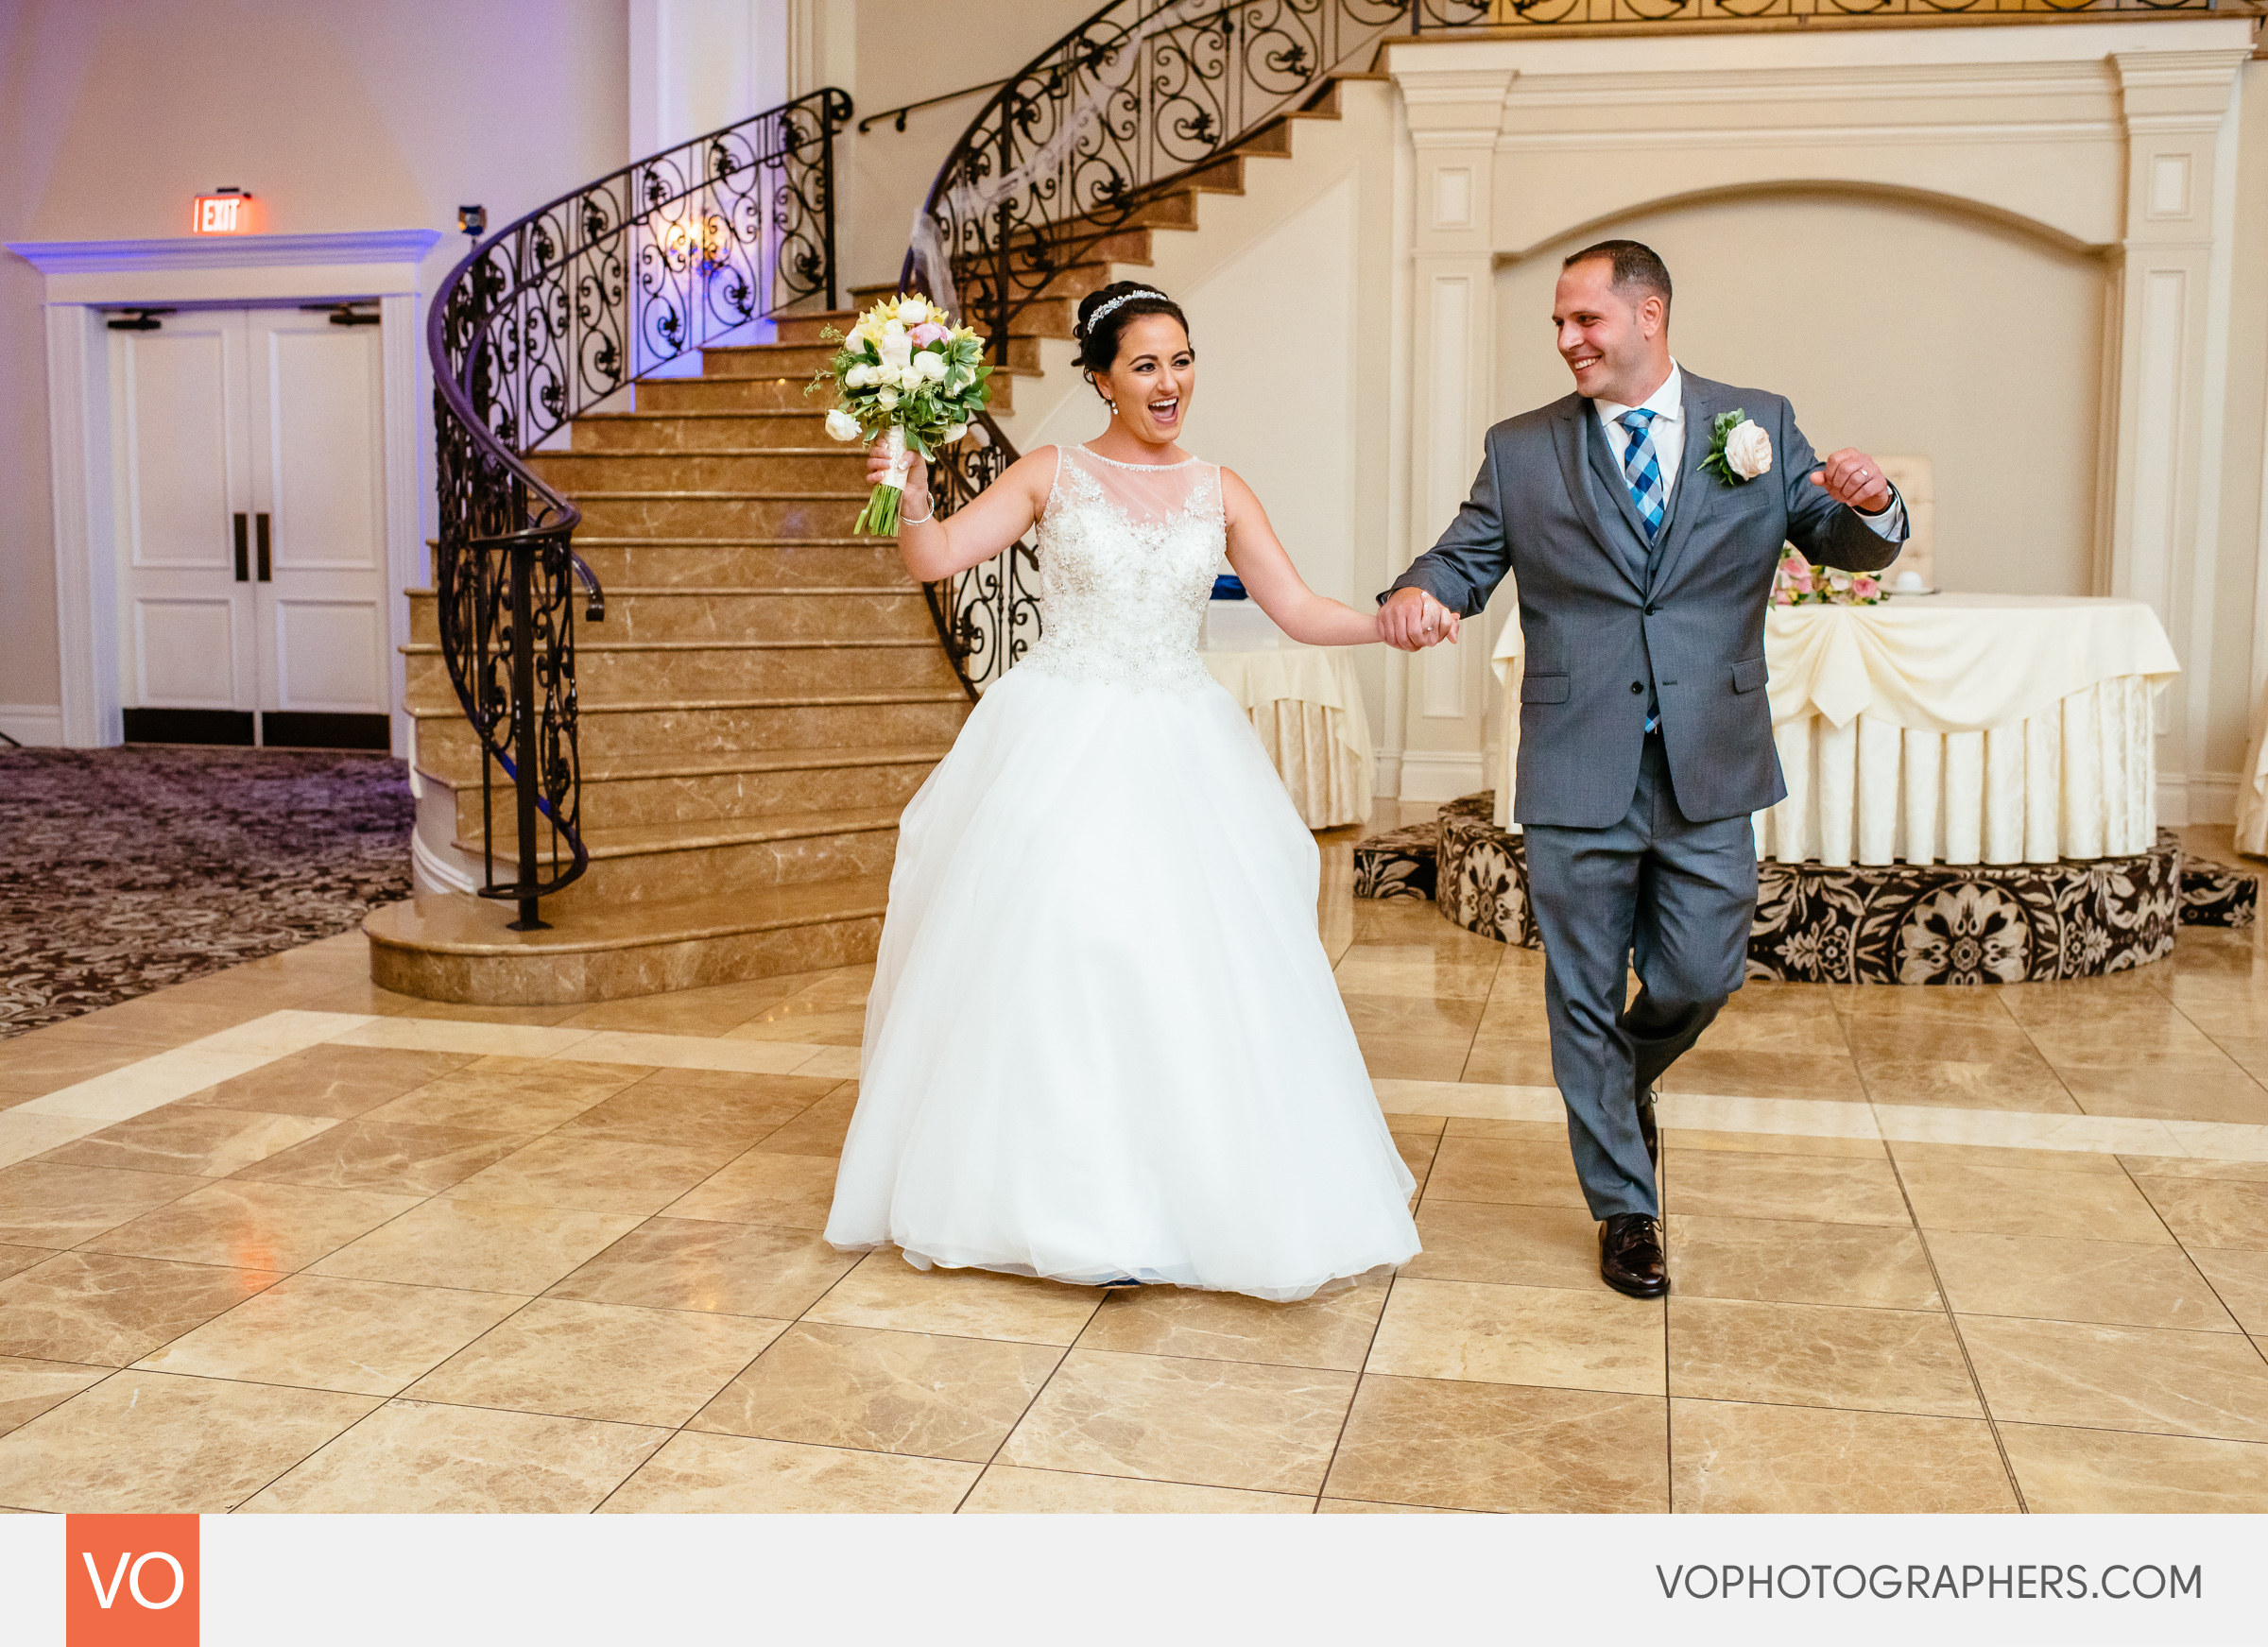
x=244, y=566
x=261, y=533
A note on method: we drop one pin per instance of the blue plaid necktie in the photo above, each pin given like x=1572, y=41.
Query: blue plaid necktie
x=1641, y=469
x=1641, y=472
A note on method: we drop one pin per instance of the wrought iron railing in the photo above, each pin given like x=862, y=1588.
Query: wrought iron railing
x=1141, y=96
x=1068, y=153
x=543, y=320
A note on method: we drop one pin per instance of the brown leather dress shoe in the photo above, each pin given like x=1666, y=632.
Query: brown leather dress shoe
x=1631, y=1260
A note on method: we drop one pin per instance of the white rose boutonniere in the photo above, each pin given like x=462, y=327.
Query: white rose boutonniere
x=1738, y=450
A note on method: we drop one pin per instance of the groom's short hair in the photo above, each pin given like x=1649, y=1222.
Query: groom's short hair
x=1636, y=266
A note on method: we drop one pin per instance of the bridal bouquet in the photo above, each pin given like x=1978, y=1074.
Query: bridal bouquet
x=906, y=376
x=1798, y=583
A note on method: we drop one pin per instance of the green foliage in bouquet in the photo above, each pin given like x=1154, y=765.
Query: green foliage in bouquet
x=903, y=371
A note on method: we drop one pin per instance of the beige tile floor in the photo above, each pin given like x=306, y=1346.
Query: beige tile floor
x=280, y=1240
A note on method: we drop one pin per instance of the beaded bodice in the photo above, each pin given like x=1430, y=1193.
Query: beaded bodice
x=1127, y=554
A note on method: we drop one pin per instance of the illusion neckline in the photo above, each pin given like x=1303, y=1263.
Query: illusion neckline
x=1159, y=468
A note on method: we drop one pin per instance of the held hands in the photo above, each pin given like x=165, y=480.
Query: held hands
x=1850, y=476
x=916, y=502
x=1413, y=620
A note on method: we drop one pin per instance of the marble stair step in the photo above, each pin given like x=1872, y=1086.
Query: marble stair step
x=806, y=326
x=727, y=391
x=714, y=668
x=693, y=611
x=451, y=948
x=786, y=358
x=690, y=431
x=774, y=562
x=827, y=464
x=727, y=785
x=692, y=513
x=665, y=862
x=670, y=786
x=610, y=730
x=691, y=765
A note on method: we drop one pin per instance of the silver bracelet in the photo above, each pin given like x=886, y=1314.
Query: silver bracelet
x=909, y=521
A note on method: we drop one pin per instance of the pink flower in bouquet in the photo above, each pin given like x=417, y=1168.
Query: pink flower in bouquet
x=1784, y=596
x=927, y=333
x=1864, y=588
x=1797, y=573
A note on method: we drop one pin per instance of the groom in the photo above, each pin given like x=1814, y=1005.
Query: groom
x=1645, y=734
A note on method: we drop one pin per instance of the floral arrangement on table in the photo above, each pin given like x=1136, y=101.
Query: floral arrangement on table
x=906, y=375
x=1798, y=583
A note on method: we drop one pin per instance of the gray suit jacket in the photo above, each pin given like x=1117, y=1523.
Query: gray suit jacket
x=1609, y=625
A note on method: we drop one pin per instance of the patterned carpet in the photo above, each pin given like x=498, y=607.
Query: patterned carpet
x=125, y=870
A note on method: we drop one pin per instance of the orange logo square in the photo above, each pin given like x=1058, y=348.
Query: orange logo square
x=130, y=1581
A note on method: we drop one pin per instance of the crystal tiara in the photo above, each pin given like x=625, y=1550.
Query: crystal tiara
x=1122, y=298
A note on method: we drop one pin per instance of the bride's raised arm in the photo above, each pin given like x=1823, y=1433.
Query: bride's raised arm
x=995, y=519
x=1270, y=579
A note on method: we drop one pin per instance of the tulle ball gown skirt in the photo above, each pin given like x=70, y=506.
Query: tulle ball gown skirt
x=1104, y=1040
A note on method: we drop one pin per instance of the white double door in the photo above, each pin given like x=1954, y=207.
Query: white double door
x=248, y=447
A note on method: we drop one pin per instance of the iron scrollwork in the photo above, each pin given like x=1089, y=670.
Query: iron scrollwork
x=1077, y=146
x=541, y=321
x=1071, y=150
x=987, y=615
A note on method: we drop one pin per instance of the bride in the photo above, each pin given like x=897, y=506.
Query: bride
x=1104, y=1044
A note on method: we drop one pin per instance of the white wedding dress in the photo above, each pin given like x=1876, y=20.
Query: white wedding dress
x=1104, y=1040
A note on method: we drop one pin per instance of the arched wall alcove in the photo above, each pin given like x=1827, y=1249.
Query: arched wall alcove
x=1896, y=321
x=2006, y=248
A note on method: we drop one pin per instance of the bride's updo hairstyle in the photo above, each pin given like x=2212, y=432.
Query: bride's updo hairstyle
x=1104, y=317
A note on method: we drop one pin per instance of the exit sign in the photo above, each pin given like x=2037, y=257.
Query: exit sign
x=221, y=215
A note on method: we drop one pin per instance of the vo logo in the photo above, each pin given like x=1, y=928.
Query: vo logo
x=130, y=1581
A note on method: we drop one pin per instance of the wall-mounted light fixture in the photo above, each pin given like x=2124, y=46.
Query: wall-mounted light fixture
x=472, y=221
x=223, y=212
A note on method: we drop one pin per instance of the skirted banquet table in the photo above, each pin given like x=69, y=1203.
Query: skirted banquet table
x=1307, y=707
x=1950, y=728
x=1969, y=800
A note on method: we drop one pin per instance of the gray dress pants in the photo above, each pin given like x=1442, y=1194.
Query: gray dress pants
x=1659, y=893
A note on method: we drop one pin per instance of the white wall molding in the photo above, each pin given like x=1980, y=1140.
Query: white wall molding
x=2197, y=798
x=225, y=251
x=2179, y=110
x=85, y=277
x=1439, y=774
x=33, y=725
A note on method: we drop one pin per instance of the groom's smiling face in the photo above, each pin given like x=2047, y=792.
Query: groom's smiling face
x=1615, y=342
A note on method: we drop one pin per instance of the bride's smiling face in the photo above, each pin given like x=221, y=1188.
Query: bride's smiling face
x=1153, y=380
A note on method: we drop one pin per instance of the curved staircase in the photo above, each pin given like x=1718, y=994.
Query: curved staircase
x=764, y=694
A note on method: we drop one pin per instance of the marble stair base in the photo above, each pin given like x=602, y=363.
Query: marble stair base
x=461, y=948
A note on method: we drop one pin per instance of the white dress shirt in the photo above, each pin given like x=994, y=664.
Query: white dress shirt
x=1667, y=404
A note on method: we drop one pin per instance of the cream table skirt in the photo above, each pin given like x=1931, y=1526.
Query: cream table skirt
x=1955, y=728
x=1307, y=707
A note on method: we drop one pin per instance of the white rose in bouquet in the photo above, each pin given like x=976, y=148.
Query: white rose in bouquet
x=859, y=377
x=894, y=347
x=931, y=365
x=887, y=397
x=953, y=433
x=841, y=425
x=1748, y=451
x=911, y=312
